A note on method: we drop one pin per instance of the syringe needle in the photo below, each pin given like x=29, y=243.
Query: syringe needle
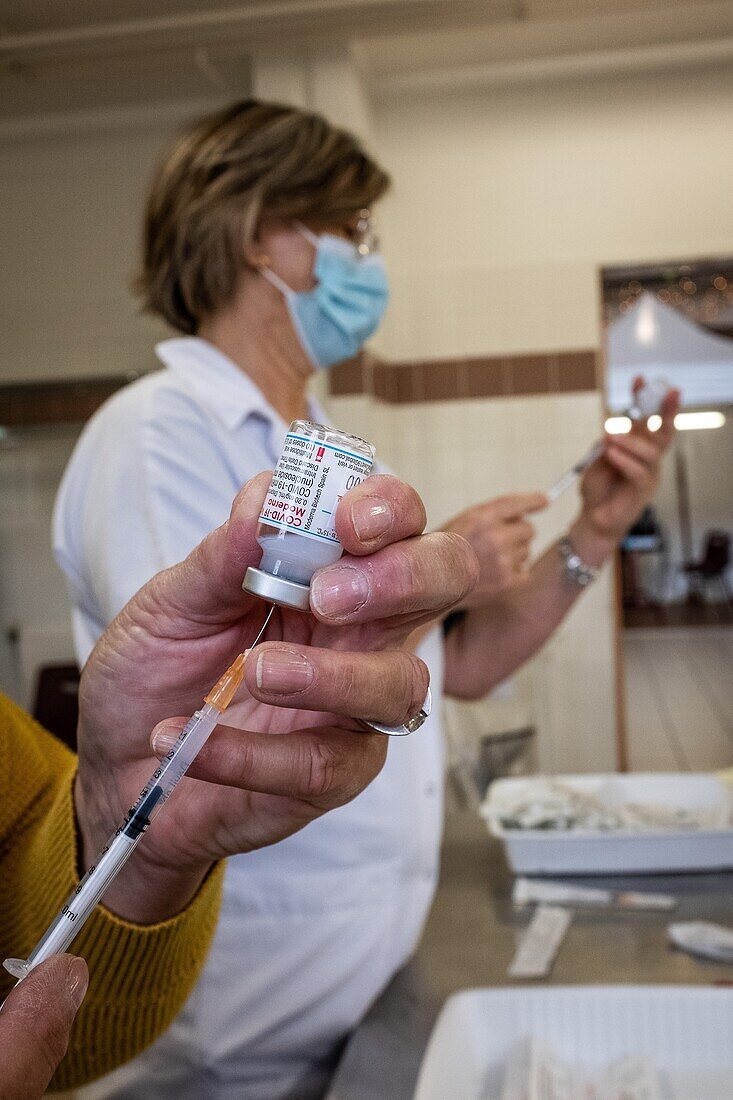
x=568, y=479
x=263, y=628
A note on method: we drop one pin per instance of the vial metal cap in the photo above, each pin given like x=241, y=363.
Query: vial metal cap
x=277, y=589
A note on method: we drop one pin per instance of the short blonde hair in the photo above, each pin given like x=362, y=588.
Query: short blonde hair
x=228, y=173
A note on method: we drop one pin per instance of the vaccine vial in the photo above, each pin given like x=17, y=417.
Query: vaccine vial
x=297, y=530
x=649, y=400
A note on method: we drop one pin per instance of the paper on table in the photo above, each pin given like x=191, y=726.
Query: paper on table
x=534, y=1073
x=541, y=942
x=548, y=804
x=699, y=937
x=528, y=891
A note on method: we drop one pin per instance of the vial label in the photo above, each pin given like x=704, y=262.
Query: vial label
x=309, y=481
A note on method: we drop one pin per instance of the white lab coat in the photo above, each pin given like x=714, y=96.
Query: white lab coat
x=313, y=928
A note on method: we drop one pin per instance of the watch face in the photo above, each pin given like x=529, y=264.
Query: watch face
x=576, y=571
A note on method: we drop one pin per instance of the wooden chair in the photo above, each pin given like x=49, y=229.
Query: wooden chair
x=710, y=569
x=56, y=705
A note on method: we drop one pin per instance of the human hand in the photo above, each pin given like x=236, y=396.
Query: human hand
x=35, y=1022
x=500, y=534
x=623, y=480
x=298, y=749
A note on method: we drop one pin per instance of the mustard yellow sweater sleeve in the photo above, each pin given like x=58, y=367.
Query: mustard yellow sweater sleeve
x=140, y=976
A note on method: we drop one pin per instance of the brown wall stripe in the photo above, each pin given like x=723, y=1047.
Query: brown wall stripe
x=37, y=403
x=445, y=379
x=32, y=404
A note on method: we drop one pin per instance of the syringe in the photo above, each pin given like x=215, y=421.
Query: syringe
x=647, y=402
x=81, y=902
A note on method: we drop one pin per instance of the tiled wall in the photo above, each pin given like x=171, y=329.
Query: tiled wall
x=35, y=626
x=458, y=452
x=455, y=451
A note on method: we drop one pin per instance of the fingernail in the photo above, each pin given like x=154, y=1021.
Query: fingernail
x=77, y=980
x=163, y=739
x=371, y=517
x=339, y=591
x=283, y=671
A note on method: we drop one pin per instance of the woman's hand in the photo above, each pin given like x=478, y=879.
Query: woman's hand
x=501, y=536
x=293, y=747
x=619, y=485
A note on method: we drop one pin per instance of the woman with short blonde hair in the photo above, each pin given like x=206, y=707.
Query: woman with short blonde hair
x=259, y=250
x=250, y=165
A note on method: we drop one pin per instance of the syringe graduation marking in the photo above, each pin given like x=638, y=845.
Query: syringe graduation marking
x=140, y=818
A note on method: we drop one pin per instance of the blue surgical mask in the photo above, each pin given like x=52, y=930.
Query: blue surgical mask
x=340, y=313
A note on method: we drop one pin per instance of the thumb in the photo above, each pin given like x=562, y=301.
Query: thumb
x=35, y=1022
x=207, y=586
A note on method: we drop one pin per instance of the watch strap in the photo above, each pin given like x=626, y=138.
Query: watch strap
x=576, y=571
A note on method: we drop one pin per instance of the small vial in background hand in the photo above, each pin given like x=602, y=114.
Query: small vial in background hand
x=649, y=400
x=297, y=531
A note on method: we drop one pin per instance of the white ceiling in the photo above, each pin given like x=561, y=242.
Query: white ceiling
x=68, y=55
x=595, y=25
x=35, y=24
x=22, y=17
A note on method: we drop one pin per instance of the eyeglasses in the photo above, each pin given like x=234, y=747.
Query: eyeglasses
x=362, y=234
x=365, y=234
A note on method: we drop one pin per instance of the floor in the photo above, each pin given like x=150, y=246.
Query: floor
x=679, y=693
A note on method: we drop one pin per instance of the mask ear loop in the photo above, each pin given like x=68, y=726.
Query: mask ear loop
x=309, y=235
x=290, y=297
x=277, y=282
x=274, y=278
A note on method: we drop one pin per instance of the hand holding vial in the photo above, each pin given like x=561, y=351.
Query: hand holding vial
x=617, y=487
x=649, y=397
x=318, y=674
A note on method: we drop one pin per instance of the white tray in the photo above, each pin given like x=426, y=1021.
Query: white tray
x=685, y=1031
x=580, y=852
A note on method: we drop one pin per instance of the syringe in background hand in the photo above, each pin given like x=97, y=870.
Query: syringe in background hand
x=80, y=904
x=647, y=402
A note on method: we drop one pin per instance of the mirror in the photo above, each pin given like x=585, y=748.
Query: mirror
x=675, y=321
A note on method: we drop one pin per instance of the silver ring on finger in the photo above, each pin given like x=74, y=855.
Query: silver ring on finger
x=410, y=726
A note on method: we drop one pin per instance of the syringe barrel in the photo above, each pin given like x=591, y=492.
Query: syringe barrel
x=175, y=765
x=92, y=887
x=83, y=898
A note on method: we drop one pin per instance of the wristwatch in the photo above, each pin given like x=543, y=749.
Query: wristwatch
x=576, y=571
